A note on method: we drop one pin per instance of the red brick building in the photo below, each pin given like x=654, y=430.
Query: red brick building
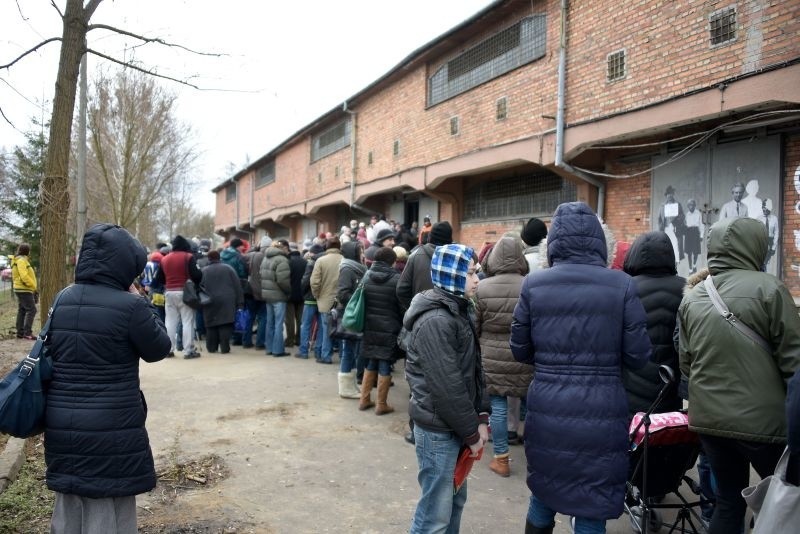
x=495, y=121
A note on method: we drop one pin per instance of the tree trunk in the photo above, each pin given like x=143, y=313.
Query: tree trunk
x=54, y=190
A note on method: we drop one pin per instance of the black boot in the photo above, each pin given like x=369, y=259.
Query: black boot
x=530, y=529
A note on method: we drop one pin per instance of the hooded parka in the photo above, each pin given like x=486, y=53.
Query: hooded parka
x=222, y=285
x=96, y=444
x=383, y=317
x=651, y=263
x=495, y=299
x=736, y=389
x=579, y=323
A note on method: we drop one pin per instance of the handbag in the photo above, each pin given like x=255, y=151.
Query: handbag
x=190, y=290
x=337, y=330
x=353, y=318
x=775, y=502
x=241, y=320
x=23, y=391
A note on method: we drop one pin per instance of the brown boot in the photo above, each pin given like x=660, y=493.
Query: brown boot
x=384, y=383
x=366, y=388
x=499, y=465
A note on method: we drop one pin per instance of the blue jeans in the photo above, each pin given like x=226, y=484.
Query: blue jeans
x=539, y=515
x=252, y=306
x=499, y=422
x=348, y=354
x=438, y=510
x=384, y=367
x=306, y=324
x=274, y=339
x=324, y=331
x=260, y=313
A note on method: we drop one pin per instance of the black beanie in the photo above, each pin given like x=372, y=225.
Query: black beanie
x=235, y=242
x=533, y=232
x=442, y=233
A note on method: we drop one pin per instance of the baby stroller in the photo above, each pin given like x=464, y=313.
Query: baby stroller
x=662, y=450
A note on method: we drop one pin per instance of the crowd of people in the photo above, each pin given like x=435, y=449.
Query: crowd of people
x=548, y=337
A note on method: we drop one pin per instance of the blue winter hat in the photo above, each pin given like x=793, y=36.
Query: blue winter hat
x=449, y=267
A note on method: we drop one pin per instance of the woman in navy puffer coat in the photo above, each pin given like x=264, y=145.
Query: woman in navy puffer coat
x=578, y=323
x=96, y=446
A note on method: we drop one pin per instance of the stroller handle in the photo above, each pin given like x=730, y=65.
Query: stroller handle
x=666, y=374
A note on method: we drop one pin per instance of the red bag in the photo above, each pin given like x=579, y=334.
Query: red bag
x=464, y=466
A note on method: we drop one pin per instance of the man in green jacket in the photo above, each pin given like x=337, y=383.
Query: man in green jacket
x=737, y=389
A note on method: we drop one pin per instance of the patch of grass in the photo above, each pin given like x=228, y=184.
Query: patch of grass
x=27, y=504
x=8, y=311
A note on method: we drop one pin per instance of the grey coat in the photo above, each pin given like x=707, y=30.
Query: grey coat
x=496, y=298
x=222, y=284
x=276, y=276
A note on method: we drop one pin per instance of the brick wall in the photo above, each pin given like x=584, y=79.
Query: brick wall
x=627, y=204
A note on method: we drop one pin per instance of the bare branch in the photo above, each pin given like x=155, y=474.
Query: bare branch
x=90, y=7
x=134, y=67
x=7, y=119
x=150, y=39
x=34, y=49
x=60, y=14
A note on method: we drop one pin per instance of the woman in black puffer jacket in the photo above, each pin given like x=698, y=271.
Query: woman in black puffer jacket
x=383, y=321
x=351, y=269
x=651, y=263
x=96, y=446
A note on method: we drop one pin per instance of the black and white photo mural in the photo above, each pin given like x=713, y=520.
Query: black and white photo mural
x=712, y=182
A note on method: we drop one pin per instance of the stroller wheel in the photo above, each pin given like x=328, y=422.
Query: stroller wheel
x=636, y=520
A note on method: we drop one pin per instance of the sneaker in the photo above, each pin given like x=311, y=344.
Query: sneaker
x=327, y=362
x=191, y=355
x=301, y=356
x=280, y=354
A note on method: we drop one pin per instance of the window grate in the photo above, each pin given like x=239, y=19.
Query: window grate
x=230, y=193
x=501, y=53
x=396, y=148
x=531, y=195
x=331, y=140
x=266, y=174
x=616, y=66
x=722, y=26
x=501, y=111
x=454, y=125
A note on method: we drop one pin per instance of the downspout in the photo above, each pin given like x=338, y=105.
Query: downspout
x=353, y=138
x=562, y=75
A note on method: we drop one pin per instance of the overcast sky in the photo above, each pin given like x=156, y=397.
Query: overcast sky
x=287, y=63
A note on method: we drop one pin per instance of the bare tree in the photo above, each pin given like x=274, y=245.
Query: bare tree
x=137, y=148
x=54, y=189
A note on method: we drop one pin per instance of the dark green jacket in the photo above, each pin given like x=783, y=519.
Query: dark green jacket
x=736, y=389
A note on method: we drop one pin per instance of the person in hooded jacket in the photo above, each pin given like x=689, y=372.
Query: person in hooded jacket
x=793, y=429
x=448, y=404
x=351, y=270
x=383, y=319
x=276, y=286
x=24, y=282
x=225, y=291
x=294, y=306
x=651, y=262
x=96, y=446
x=177, y=267
x=579, y=323
x=495, y=299
x=737, y=390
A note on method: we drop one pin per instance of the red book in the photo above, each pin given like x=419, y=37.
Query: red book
x=464, y=466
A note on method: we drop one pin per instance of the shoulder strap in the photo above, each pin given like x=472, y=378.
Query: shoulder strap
x=723, y=310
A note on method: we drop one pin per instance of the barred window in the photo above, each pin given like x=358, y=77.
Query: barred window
x=331, y=140
x=501, y=53
x=266, y=174
x=722, y=26
x=616, y=66
x=501, y=109
x=230, y=193
x=531, y=195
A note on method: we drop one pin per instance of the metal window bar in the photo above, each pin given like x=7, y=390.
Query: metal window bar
x=266, y=174
x=503, y=52
x=616, y=65
x=331, y=140
x=537, y=194
x=722, y=26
